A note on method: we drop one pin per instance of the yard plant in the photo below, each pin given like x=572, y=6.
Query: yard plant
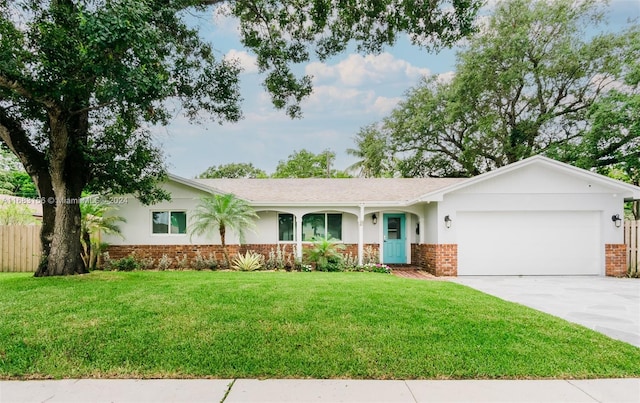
x=286, y=325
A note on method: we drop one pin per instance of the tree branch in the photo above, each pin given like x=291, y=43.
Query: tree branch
x=17, y=139
x=15, y=87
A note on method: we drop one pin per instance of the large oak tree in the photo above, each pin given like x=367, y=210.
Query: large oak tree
x=81, y=79
x=525, y=85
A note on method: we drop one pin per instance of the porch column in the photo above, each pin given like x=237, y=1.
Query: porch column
x=422, y=230
x=299, y=235
x=361, y=235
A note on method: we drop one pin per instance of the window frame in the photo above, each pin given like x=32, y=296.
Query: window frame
x=326, y=225
x=169, y=233
x=294, y=229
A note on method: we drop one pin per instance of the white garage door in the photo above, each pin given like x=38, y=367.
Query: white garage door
x=529, y=243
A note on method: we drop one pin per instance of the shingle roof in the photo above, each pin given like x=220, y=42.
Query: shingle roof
x=351, y=190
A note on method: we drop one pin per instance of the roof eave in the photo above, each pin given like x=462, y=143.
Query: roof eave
x=631, y=192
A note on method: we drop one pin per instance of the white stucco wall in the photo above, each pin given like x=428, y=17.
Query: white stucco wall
x=533, y=189
x=137, y=229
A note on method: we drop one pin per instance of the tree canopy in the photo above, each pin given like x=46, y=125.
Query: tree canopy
x=81, y=80
x=305, y=164
x=531, y=82
x=233, y=170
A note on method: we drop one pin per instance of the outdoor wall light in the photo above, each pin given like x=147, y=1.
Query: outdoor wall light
x=447, y=221
x=374, y=219
x=616, y=220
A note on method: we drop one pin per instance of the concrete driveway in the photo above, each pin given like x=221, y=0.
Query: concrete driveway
x=607, y=305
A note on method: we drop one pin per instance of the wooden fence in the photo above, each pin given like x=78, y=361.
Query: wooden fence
x=20, y=249
x=632, y=240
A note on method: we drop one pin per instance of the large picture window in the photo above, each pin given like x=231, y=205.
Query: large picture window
x=286, y=227
x=169, y=222
x=321, y=225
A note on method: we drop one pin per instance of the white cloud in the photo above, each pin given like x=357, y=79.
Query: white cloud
x=224, y=21
x=246, y=60
x=446, y=77
x=382, y=106
x=357, y=70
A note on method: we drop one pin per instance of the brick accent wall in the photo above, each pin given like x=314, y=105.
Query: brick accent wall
x=179, y=251
x=418, y=255
x=437, y=259
x=615, y=257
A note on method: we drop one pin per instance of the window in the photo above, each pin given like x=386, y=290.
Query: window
x=321, y=225
x=286, y=227
x=169, y=222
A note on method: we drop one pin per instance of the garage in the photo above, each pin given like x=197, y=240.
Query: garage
x=529, y=243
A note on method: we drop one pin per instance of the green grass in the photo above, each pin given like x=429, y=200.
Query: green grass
x=286, y=325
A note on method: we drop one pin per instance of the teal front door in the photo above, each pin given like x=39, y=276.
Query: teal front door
x=394, y=248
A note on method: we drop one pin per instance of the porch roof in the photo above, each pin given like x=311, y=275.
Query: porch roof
x=343, y=190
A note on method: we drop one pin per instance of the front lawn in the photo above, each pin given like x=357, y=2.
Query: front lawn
x=286, y=325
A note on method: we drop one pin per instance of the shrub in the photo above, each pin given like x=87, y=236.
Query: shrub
x=202, y=263
x=370, y=255
x=164, y=263
x=250, y=261
x=325, y=253
x=147, y=263
x=182, y=262
x=349, y=262
x=375, y=268
x=127, y=263
x=107, y=263
x=279, y=259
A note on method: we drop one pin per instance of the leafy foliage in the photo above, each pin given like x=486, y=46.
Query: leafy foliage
x=305, y=164
x=373, y=153
x=222, y=212
x=15, y=214
x=325, y=254
x=97, y=218
x=250, y=261
x=527, y=84
x=233, y=171
x=127, y=263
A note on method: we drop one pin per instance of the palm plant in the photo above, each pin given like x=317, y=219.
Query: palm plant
x=325, y=253
x=223, y=211
x=96, y=219
x=374, y=159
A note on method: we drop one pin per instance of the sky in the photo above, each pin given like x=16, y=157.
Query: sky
x=350, y=91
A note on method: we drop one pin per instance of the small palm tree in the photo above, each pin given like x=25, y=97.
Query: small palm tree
x=325, y=253
x=96, y=219
x=223, y=211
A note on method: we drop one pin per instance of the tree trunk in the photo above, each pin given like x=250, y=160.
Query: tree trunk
x=64, y=257
x=67, y=176
x=223, y=231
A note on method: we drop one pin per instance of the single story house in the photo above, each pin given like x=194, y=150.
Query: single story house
x=534, y=217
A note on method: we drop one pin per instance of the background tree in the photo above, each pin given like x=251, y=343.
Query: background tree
x=223, y=212
x=523, y=87
x=16, y=214
x=13, y=179
x=373, y=153
x=305, y=164
x=233, y=171
x=612, y=142
x=81, y=79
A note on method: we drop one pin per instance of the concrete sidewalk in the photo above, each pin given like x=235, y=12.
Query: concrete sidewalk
x=290, y=390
